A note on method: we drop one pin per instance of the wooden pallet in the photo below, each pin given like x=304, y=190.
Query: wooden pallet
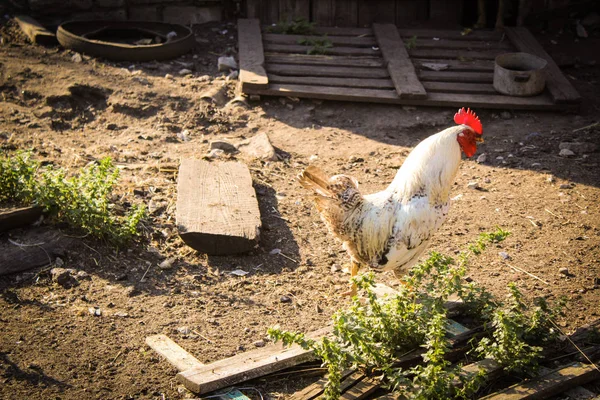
x=375, y=65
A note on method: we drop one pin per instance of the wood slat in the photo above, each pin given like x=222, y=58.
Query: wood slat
x=251, y=55
x=341, y=61
x=451, y=34
x=328, y=81
x=457, y=65
x=459, y=87
x=316, y=389
x=346, y=72
x=549, y=385
x=361, y=390
x=172, y=352
x=246, y=366
x=346, y=13
x=292, y=9
x=331, y=93
x=456, y=76
x=399, y=66
x=335, y=40
x=19, y=217
x=344, y=31
x=455, y=54
x=335, y=50
x=559, y=86
x=322, y=12
x=460, y=44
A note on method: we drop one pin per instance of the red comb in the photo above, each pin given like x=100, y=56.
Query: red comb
x=468, y=117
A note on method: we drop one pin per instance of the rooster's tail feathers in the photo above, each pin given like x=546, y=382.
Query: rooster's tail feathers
x=314, y=179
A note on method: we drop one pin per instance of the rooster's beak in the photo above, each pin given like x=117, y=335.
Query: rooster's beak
x=478, y=139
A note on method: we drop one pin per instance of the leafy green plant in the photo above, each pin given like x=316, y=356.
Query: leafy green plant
x=317, y=46
x=82, y=200
x=370, y=335
x=411, y=43
x=298, y=26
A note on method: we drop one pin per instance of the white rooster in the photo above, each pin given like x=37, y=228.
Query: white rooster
x=389, y=229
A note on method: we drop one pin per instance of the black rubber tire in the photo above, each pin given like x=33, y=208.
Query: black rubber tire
x=70, y=33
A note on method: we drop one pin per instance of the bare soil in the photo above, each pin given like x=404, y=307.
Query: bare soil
x=51, y=346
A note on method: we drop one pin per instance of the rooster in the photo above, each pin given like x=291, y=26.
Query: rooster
x=389, y=230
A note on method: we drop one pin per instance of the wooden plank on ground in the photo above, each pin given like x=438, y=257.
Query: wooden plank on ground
x=246, y=366
x=316, y=389
x=457, y=65
x=346, y=72
x=335, y=50
x=361, y=389
x=335, y=40
x=557, y=83
x=455, y=54
x=35, y=31
x=460, y=87
x=251, y=55
x=460, y=44
x=550, y=384
x=336, y=61
x=19, y=217
x=456, y=76
x=453, y=34
x=343, y=31
x=174, y=354
x=400, y=67
x=331, y=93
x=217, y=210
x=327, y=81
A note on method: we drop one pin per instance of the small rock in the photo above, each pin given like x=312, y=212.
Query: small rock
x=578, y=147
x=275, y=251
x=184, y=71
x=226, y=63
x=550, y=179
x=259, y=343
x=355, y=159
x=285, y=299
x=468, y=279
x=566, y=153
x=566, y=186
x=223, y=145
x=77, y=58
x=167, y=264
x=95, y=311
x=499, y=158
x=233, y=75
x=216, y=153
x=336, y=268
x=168, y=76
x=203, y=78
x=121, y=314
x=504, y=255
x=473, y=185
x=482, y=158
x=184, y=135
x=59, y=262
x=259, y=146
x=564, y=271
x=313, y=157
x=184, y=330
x=487, y=180
x=82, y=275
x=63, y=277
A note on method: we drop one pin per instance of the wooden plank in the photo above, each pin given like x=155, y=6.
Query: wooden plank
x=246, y=366
x=453, y=34
x=457, y=65
x=345, y=13
x=378, y=11
x=36, y=248
x=459, y=87
x=550, y=384
x=361, y=390
x=559, y=86
x=456, y=76
x=217, y=210
x=410, y=11
x=335, y=50
x=316, y=389
x=175, y=355
x=294, y=9
x=335, y=40
x=460, y=44
x=344, y=31
x=455, y=54
x=323, y=12
x=328, y=81
x=251, y=55
x=399, y=66
x=19, y=217
x=35, y=31
x=336, y=61
x=306, y=70
x=540, y=102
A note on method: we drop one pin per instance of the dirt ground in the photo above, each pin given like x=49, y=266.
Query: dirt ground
x=51, y=346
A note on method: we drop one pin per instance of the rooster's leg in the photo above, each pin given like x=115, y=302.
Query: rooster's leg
x=353, y=272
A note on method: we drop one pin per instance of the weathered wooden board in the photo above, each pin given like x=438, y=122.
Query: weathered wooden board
x=35, y=31
x=549, y=385
x=456, y=65
x=457, y=54
x=19, y=217
x=456, y=76
x=35, y=248
x=251, y=56
x=340, y=82
x=459, y=44
x=559, y=86
x=459, y=87
x=217, y=210
x=452, y=34
x=335, y=50
x=245, y=366
x=334, y=40
x=346, y=72
x=172, y=352
x=334, y=61
x=399, y=65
